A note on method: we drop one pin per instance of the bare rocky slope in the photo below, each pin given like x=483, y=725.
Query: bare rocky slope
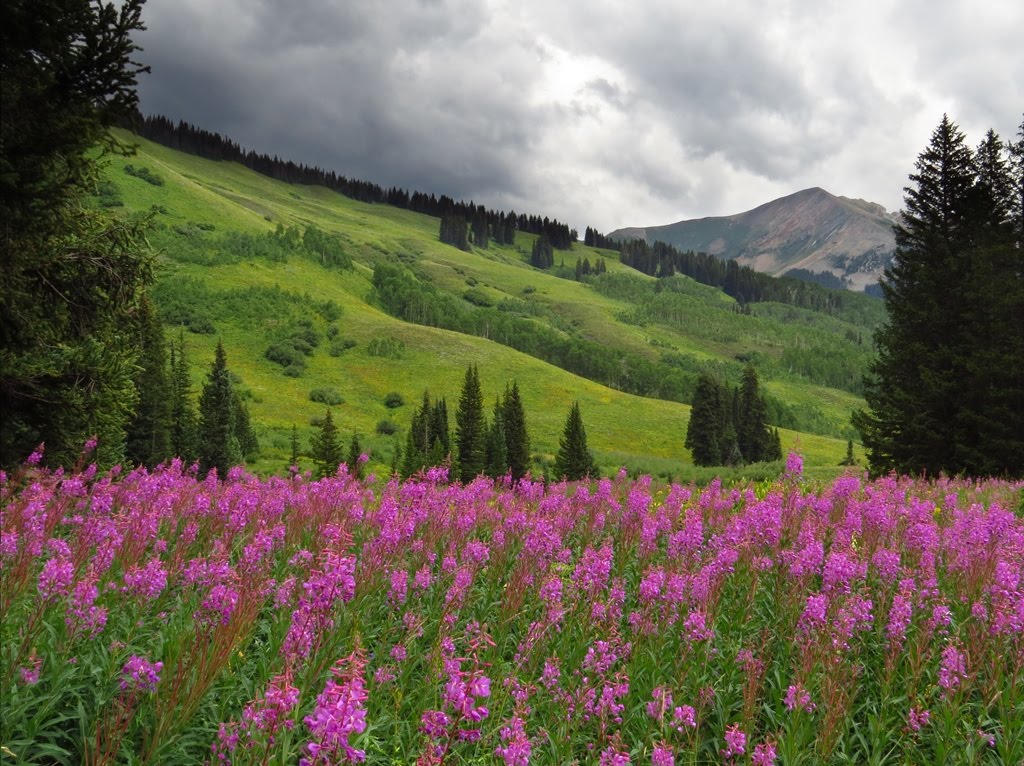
x=811, y=229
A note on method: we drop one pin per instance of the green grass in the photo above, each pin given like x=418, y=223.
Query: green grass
x=624, y=430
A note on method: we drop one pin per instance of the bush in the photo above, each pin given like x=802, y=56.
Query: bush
x=285, y=354
x=327, y=395
x=386, y=427
x=145, y=174
x=393, y=400
x=389, y=348
x=340, y=345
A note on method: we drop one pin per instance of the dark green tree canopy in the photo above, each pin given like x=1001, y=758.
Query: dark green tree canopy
x=945, y=393
x=470, y=427
x=218, y=443
x=73, y=277
x=574, y=460
x=326, y=446
x=517, y=439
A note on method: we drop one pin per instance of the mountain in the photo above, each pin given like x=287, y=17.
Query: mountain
x=811, y=230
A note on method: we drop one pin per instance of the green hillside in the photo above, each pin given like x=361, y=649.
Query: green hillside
x=222, y=276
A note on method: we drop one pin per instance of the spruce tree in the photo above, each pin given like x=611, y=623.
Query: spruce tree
x=72, y=275
x=218, y=445
x=753, y=437
x=248, y=443
x=355, y=451
x=326, y=448
x=941, y=395
x=470, y=426
x=495, y=454
x=517, y=439
x=184, y=421
x=706, y=433
x=574, y=460
x=293, y=460
x=148, y=439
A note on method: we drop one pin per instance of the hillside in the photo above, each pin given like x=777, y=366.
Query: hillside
x=219, y=277
x=811, y=230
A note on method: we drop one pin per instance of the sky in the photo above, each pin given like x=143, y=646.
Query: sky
x=598, y=113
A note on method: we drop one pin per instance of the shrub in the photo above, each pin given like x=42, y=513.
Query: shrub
x=389, y=348
x=386, y=427
x=145, y=174
x=393, y=400
x=326, y=395
x=285, y=354
x=340, y=345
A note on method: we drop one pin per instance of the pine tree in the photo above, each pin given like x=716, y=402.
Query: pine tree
x=470, y=426
x=574, y=460
x=184, y=421
x=941, y=395
x=495, y=454
x=248, y=443
x=754, y=439
x=148, y=439
x=355, y=451
x=218, y=445
x=706, y=436
x=293, y=460
x=517, y=439
x=327, y=450
x=849, y=459
x=72, y=275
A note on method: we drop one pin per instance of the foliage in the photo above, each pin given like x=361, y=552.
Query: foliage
x=73, y=275
x=218, y=441
x=326, y=446
x=471, y=428
x=393, y=400
x=574, y=460
x=517, y=439
x=941, y=394
x=148, y=438
x=326, y=395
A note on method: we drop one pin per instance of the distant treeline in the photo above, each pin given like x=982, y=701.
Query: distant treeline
x=739, y=282
x=187, y=138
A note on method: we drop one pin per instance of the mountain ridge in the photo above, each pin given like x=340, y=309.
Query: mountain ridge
x=811, y=229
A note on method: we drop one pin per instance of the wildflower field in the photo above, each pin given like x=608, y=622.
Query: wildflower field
x=151, y=617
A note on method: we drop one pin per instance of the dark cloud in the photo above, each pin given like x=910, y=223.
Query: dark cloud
x=590, y=112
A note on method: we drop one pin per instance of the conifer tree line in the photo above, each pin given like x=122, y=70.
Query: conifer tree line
x=728, y=426
x=946, y=392
x=487, y=224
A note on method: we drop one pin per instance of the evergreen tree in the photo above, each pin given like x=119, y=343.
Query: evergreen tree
x=849, y=459
x=453, y=231
x=293, y=461
x=327, y=450
x=149, y=433
x=248, y=443
x=439, y=432
x=355, y=451
x=941, y=395
x=542, y=256
x=517, y=439
x=495, y=454
x=72, y=275
x=706, y=436
x=184, y=421
x=754, y=439
x=574, y=460
x=470, y=426
x=218, y=445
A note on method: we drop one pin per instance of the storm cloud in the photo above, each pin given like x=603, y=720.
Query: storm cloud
x=600, y=113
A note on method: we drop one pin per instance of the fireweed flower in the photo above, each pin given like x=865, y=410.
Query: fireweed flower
x=917, y=719
x=952, y=669
x=340, y=713
x=684, y=715
x=735, y=742
x=662, y=755
x=764, y=754
x=798, y=697
x=140, y=674
x=515, y=748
